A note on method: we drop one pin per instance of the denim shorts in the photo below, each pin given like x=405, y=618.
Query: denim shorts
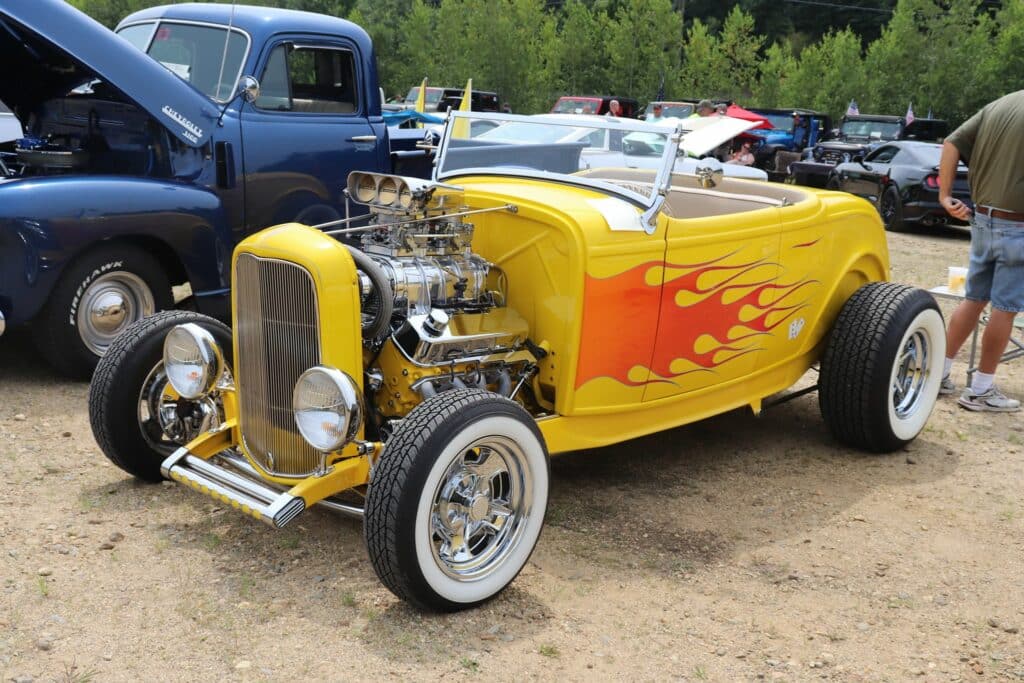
x=996, y=270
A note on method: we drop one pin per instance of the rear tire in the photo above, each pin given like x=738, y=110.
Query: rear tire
x=457, y=500
x=137, y=424
x=890, y=207
x=882, y=367
x=99, y=296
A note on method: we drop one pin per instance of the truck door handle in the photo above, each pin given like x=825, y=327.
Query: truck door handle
x=363, y=138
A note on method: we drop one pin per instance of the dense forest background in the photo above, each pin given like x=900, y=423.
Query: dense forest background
x=945, y=56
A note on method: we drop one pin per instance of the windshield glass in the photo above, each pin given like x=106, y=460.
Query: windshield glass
x=780, y=121
x=559, y=147
x=877, y=130
x=194, y=54
x=433, y=95
x=679, y=110
x=577, y=105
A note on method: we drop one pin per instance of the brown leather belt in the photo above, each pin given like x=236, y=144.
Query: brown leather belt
x=999, y=213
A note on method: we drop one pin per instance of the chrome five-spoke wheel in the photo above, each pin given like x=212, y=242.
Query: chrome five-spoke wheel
x=457, y=499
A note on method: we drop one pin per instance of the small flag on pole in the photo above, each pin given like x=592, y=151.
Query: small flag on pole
x=660, y=97
x=421, y=100
x=461, y=129
x=930, y=113
x=910, y=114
x=852, y=110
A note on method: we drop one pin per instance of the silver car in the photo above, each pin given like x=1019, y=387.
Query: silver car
x=10, y=128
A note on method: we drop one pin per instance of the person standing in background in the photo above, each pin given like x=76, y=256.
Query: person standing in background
x=992, y=144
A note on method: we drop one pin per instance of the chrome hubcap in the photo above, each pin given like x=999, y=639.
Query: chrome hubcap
x=911, y=374
x=109, y=304
x=480, y=508
x=166, y=420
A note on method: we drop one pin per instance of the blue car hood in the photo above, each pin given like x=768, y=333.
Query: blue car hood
x=770, y=135
x=48, y=48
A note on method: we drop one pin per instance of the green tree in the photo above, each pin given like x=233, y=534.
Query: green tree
x=642, y=45
x=417, y=52
x=580, y=50
x=739, y=47
x=774, y=69
x=896, y=58
x=382, y=19
x=701, y=71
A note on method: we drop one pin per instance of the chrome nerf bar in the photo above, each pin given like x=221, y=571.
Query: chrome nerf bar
x=251, y=497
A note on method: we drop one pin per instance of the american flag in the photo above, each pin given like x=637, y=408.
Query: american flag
x=852, y=110
x=910, y=114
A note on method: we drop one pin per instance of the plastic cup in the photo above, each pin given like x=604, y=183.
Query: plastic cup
x=957, y=280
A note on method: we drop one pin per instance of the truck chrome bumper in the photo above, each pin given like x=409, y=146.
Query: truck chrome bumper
x=253, y=497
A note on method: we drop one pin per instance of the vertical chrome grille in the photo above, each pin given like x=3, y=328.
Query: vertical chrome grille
x=278, y=339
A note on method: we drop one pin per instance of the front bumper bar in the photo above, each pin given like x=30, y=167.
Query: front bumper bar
x=252, y=497
x=211, y=465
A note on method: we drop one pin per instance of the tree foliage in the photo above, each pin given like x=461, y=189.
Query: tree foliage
x=949, y=56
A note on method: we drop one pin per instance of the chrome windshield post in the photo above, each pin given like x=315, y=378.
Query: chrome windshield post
x=663, y=181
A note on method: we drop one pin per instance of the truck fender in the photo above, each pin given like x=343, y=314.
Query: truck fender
x=184, y=224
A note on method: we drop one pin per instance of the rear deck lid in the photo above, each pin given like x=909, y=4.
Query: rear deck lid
x=48, y=48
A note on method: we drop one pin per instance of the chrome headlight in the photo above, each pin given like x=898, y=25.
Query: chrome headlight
x=192, y=360
x=328, y=407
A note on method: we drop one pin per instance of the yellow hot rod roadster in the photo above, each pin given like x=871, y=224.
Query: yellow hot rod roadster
x=418, y=367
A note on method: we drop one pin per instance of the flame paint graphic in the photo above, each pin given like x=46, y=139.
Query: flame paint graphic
x=701, y=316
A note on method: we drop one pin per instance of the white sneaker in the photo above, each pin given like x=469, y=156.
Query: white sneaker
x=947, y=387
x=992, y=400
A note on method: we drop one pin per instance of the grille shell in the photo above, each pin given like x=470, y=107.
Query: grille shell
x=277, y=329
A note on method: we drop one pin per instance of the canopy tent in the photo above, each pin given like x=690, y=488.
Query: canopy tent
x=738, y=112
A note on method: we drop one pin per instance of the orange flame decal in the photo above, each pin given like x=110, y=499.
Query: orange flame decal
x=675, y=319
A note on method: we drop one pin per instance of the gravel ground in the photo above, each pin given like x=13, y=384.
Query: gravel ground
x=740, y=548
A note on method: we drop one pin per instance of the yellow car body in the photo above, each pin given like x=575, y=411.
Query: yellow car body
x=645, y=332
x=488, y=320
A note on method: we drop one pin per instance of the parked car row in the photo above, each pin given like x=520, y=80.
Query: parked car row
x=902, y=179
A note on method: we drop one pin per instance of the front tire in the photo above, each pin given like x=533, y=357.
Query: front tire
x=97, y=298
x=457, y=500
x=136, y=417
x=882, y=367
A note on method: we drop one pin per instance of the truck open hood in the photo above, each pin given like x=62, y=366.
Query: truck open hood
x=47, y=48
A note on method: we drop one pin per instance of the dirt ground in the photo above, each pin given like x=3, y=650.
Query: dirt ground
x=741, y=548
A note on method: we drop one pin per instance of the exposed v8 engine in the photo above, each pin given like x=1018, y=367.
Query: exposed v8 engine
x=447, y=320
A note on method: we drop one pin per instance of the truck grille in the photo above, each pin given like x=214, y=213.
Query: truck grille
x=832, y=156
x=278, y=339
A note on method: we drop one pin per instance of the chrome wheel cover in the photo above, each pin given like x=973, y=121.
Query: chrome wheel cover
x=110, y=304
x=166, y=420
x=912, y=369
x=480, y=508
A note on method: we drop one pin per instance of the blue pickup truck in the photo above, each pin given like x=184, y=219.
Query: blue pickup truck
x=150, y=151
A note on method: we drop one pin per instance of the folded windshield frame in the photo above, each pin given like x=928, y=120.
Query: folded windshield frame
x=445, y=168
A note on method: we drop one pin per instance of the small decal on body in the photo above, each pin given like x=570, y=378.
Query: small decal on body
x=795, y=327
x=191, y=131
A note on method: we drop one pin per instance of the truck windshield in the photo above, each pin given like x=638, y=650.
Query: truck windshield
x=779, y=121
x=433, y=95
x=871, y=130
x=193, y=53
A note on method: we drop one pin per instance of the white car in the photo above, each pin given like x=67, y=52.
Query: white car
x=10, y=128
x=604, y=147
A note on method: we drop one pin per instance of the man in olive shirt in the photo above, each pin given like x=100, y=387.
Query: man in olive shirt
x=992, y=144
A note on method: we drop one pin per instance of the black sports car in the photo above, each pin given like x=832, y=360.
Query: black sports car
x=902, y=179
